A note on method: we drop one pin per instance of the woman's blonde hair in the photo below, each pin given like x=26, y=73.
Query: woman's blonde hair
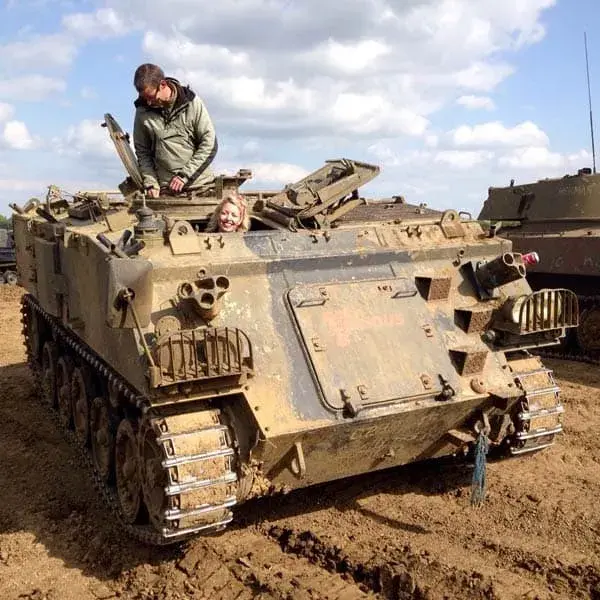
x=237, y=200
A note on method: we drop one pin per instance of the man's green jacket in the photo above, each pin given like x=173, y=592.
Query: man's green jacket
x=179, y=140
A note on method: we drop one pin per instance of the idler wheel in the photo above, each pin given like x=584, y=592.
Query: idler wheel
x=64, y=369
x=588, y=332
x=153, y=474
x=49, y=360
x=81, y=401
x=127, y=470
x=103, y=433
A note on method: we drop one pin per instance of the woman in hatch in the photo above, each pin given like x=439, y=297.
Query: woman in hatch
x=230, y=215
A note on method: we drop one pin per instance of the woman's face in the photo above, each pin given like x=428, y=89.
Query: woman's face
x=230, y=217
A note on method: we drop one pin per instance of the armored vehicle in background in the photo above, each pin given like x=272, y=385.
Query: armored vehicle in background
x=338, y=336
x=8, y=263
x=559, y=219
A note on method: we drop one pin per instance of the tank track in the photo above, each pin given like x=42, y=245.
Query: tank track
x=193, y=469
x=572, y=350
x=538, y=417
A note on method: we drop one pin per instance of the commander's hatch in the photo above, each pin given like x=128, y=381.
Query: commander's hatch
x=320, y=198
x=123, y=146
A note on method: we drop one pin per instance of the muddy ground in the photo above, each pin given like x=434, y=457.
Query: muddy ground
x=405, y=533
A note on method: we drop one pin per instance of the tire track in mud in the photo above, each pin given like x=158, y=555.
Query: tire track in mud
x=401, y=572
x=247, y=560
x=392, y=573
x=456, y=552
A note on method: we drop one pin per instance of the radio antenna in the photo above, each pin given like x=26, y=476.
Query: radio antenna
x=587, y=69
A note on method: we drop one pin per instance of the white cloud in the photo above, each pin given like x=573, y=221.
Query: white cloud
x=376, y=69
x=28, y=87
x=281, y=173
x=496, y=134
x=475, y=102
x=432, y=140
x=374, y=114
x=177, y=49
x=40, y=187
x=16, y=136
x=540, y=159
x=384, y=154
x=103, y=23
x=38, y=51
x=21, y=185
x=482, y=77
x=87, y=138
x=348, y=57
x=6, y=111
x=463, y=159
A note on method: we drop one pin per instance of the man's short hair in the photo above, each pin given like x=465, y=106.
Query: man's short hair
x=146, y=76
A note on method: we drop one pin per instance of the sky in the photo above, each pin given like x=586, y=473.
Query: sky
x=448, y=97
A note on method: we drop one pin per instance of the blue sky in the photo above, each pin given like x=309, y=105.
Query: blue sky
x=449, y=96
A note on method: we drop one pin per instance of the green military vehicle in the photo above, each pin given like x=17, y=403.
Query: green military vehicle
x=8, y=264
x=339, y=335
x=558, y=219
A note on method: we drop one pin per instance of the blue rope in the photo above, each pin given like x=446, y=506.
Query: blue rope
x=478, y=482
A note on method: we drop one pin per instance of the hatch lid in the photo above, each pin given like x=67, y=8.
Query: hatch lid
x=124, y=150
x=371, y=342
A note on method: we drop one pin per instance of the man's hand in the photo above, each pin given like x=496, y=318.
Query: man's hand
x=152, y=192
x=176, y=184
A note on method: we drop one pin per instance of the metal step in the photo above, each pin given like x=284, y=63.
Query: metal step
x=531, y=448
x=529, y=435
x=534, y=372
x=172, y=534
x=188, y=486
x=177, y=514
x=192, y=458
x=542, y=412
x=543, y=391
x=166, y=437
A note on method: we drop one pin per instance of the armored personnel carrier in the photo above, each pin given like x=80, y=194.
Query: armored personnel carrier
x=559, y=219
x=338, y=336
x=8, y=264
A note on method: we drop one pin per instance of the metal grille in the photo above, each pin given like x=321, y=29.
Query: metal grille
x=195, y=354
x=549, y=309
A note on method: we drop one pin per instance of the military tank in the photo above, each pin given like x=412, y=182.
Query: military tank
x=340, y=335
x=8, y=264
x=559, y=220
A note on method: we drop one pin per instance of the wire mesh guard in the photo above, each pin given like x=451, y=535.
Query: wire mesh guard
x=196, y=354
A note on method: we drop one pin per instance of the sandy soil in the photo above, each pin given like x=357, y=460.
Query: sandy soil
x=403, y=533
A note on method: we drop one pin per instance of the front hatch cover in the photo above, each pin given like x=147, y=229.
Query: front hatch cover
x=370, y=342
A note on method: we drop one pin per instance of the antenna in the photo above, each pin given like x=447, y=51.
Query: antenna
x=587, y=69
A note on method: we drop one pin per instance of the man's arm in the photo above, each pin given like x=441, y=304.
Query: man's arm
x=144, y=152
x=206, y=141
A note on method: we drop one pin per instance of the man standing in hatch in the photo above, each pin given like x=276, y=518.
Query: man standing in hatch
x=173, y=134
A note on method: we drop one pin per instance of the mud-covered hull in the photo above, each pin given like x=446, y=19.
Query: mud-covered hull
x=196, y=370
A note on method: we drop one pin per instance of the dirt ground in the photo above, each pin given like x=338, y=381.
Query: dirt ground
x=405, y=533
